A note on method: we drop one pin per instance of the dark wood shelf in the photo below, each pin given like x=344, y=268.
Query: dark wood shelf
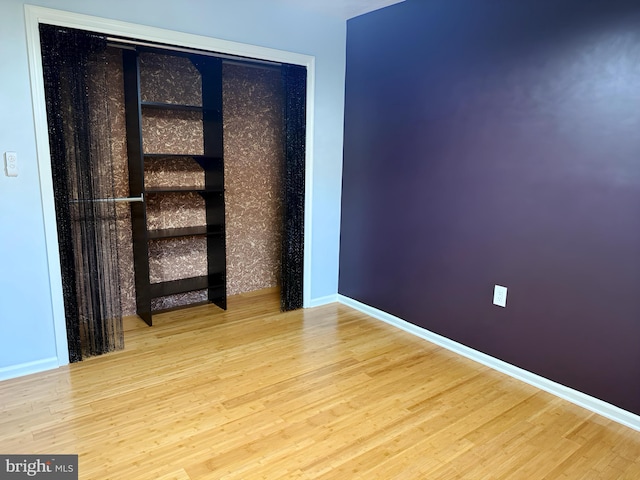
x=172, y=106
x=180, y=307
x=185, y=232
x=174, y=287
x=152, y=156
x=182, y=189
x=212, y=192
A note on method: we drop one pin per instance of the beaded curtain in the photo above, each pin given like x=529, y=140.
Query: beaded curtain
x=295, y=87
x=76, y=73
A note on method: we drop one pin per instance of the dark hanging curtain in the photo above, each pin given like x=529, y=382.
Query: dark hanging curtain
x=294, y=79
x=76, y=76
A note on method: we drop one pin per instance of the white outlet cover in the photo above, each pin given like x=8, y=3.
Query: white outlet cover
x=500, y=296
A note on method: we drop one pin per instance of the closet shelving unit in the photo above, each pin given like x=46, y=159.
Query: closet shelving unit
x=211, y=162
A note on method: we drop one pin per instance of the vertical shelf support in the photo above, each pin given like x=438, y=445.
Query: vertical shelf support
x=133, y=115
x=211, y=71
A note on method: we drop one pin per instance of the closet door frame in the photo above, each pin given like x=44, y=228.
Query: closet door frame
x=34, y=17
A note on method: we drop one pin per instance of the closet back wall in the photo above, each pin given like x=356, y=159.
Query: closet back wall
x=253, y=169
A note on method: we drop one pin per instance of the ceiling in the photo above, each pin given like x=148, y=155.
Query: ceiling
x=343, y=9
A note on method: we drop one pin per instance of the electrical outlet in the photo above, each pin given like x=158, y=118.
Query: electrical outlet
x=500, y=296
x=11, y=164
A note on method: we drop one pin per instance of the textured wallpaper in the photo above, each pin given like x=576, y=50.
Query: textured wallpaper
x=253, y=170
x=176, y=171
x=176, y=258
x=172, y=132
x=175, y=210
x=254, y=163
x=170, y=79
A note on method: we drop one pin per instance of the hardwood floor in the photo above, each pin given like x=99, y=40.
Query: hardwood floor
x=325, y=393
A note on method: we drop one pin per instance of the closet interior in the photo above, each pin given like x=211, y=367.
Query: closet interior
x=178, y=179
x=201, y=141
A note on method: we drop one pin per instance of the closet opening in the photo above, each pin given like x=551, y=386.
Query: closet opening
x=193, y=183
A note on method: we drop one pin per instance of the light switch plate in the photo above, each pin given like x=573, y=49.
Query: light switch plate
x=500, y=296
x=11, y=164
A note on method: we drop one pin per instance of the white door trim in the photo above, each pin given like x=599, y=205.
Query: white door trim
x=33, y=17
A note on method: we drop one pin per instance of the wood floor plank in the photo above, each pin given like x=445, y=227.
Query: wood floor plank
x=324, y=393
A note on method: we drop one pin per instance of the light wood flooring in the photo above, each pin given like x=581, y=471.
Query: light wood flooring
x=324, y=393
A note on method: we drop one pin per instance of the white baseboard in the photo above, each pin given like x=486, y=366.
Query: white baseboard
x=28, y=368
x=574, y=396
x=316, y=302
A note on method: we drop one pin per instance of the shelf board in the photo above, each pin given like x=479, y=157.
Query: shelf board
x=162, y=289
x=181, y=307
x=174, y=287
x=172, y=106
x=151, y=156
x=184, y=232
x=181, y=189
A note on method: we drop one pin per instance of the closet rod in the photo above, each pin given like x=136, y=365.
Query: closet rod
x=129, y=44
x=114, y=200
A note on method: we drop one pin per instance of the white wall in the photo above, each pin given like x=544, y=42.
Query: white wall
x=27, y=341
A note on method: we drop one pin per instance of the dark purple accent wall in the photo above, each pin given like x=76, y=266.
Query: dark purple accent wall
x=498, y=142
